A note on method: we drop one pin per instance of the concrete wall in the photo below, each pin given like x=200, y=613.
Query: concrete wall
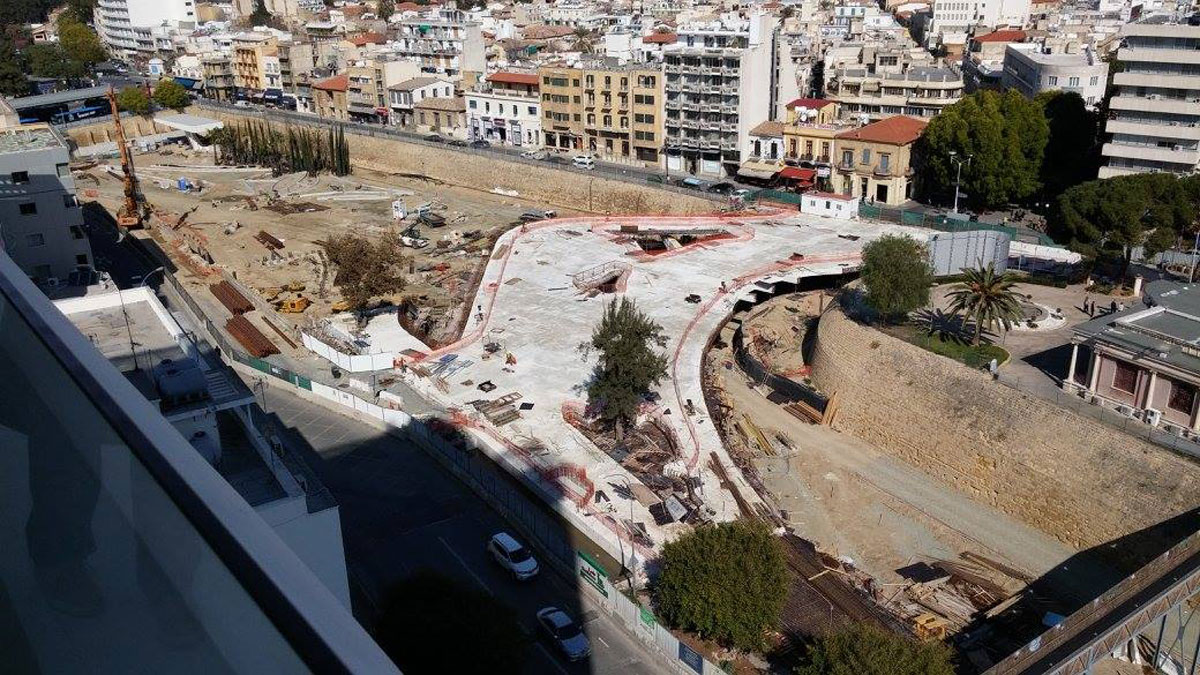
x=102, y=130
x=1072, y=477
x=565, y=189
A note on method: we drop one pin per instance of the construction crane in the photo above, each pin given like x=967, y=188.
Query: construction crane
x=131, y=214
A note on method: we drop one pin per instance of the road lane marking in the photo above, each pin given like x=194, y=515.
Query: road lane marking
x=466, y=567
x=606, y=645
x=551, y=659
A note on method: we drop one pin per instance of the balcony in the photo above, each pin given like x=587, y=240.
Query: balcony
x=1157, y=80
x=158, y=541
x=846, y=165
x=1188, y=132
x=1147, y=55
x=1188, y=157
x=884, y=171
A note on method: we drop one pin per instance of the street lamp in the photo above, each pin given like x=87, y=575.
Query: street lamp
x=958, y=179
x=624, y=566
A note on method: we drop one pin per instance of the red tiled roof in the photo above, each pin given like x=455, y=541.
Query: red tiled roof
x=897, y=130
x=408, y=7
x=813, y=103
x=546, y=32
x=799, y=174
x=335, y=83
x=368, y=39
x=513, y=78
x=661, y=38
x=1002, y=36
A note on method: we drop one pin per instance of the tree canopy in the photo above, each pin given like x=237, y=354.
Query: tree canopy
x=385, y=9
x=629, y=365
x=1073, y=149
x=862, y=649
x=79, y=42
x=987, y=298
x=1003, y=134
x=1113, y=215
x=897, y=275
x=12, y=75
x=725, y=582
x=134, y=100
x=431, y=623
x=366, y=270
x=170, y=94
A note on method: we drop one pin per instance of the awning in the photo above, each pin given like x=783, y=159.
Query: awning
x=189, y=83
x=760, y=170
x=798, y=174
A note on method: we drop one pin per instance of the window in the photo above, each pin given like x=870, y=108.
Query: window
x=487, y=107
x=472, y=104
x=1073, y=82
x=63, y=170
x=35, y=239
x=28, y=208
x=76, y=232
x=81, y=259
x=866, y=155
x=1182, y=397
x=847, y=157
x=533, y=110
x=1125, y=378
x=20, y=177
x=884, y=161
x=1094, y=81
x=1052, y=80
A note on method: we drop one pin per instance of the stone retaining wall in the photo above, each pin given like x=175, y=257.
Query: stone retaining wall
x=1069, y=476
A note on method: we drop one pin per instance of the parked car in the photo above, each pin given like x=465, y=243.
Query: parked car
x=434, y=138
x=584, y=162
x=241, y=104
x=565, y=633
x=533, y=215
x=655, y=178
x=691, y=183
x=512, y=556
x=722, y=188
x=458, y=143
x=534, y=154
x=480, y=144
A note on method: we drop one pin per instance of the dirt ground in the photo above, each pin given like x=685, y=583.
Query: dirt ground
x=224, y=217
x=775, y=331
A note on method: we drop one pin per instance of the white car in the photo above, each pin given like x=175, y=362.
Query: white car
x=534, y=154
x=584, y=162
x=512, y=556
x=565, y=633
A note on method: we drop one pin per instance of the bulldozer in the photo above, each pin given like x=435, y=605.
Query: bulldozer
x=341, y=306
x=295, y=305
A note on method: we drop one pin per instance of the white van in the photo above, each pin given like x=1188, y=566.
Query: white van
x=584, y=162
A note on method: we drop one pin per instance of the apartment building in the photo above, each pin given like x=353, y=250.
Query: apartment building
x=126, y=26
x=1154, y=118
x=446, y=43
x=983, y=62
x=329, y=97
x=219, y=81
x=256, y=68
x=41, y=224
x=953, y=21
x=1031, y=69
x=366, y=95
x=506, y=109
x=874, y=161
x=562, y=107
x=892, y=79
x=622, y=113
x=715, y=92
x=404, y=97
x=810, y=136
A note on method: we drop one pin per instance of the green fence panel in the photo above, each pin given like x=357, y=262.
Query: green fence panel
x=303, y=382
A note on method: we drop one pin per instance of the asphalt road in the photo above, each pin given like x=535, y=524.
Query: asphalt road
x=402, y=512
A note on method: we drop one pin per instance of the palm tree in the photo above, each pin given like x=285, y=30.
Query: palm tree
x=986, y=297
x=582, y=38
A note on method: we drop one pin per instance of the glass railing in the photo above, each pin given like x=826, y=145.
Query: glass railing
x=124, y=551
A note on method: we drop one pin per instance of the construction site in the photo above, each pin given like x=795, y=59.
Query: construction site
x=489, y=328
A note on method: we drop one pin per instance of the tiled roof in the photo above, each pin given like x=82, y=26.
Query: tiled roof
x=898, y=130
x=513, y=78
x=1002, y=36
x=661, y=38
x=546, y=32
x=335, y=83
x=811, y=103
x=368, y=39
x=768, y=128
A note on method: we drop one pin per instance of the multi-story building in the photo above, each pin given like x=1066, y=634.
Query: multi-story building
x=446, y=43
x=41, y=224
x=366, y=95
x=562, y=107
x=1154, y=118
x=1028, y=68
x=256, y=68
x=125, y=26
x=442, y=116
x=874, y=161
x=622, y=113
x=329, y=97
x=295, y=59
x=404, y=97
x=892, y=80
x=715, y=92
x=983, y=62
x=809, y=136
x=954, y=20
x=219, y=81
x=506, y=109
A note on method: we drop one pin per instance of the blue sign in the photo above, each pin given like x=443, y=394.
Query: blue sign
x=691, y=657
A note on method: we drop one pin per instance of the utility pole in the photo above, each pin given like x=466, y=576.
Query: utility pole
x=958, y=178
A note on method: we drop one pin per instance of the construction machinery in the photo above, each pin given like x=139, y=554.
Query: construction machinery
x=294, y=305
x=134, y=211
x=412, y=237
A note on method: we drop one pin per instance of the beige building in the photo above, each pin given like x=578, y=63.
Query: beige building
x=256, y=63
x=219, y=82
x=562, y=108
x=442, y=116
x=622, y=114
x=873, y=163
x=329, y=97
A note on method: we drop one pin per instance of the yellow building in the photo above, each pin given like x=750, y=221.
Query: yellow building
x=873, y=162
x=810, y=129
x=256, y=66
x=562, y=108
x=613, y=113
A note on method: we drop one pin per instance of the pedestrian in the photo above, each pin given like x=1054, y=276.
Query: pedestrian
x=1112, y=308
x=1086, y=297
x=1092, y=310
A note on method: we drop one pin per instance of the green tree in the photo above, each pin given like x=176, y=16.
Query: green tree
x=897, y=275
x=725, y=582
x=12, y=74
x=863, y=649
x=79, y=42
x=81, y=10
x=583, y=40
x=431, y=623
x=50, y=60
x=628, y=365
x=1003, y=134
x=1073, y=149
x=260, y=16
x=385, y=9
x=134, y=100
x=987, y=298
x=366, y=270
x=170, y=94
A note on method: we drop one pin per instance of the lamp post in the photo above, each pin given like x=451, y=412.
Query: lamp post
x=629, y=488
x=958, y=179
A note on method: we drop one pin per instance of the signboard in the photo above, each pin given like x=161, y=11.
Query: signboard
x=691, y=657
x=646, y=616
x=593, y=573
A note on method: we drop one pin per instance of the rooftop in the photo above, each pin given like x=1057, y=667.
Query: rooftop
x=897, y=130
x=335, y=83
x=768, y=128
x=1166, y=328
x=29, y=137
x=414, y=83
x=1002, y=36
x=813, y=103
x=443, y=103
x=513, y=78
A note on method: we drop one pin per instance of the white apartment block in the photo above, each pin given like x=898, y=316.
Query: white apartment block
x=718, y=86
x=874, y=81
x=446, y=43
x=1030, y=70
x=953, y=20
x=127, y=26
x=1155, y=115
x=506, y=109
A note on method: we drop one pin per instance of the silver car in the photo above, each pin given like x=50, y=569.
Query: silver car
x=565, y=633
x=512, y=556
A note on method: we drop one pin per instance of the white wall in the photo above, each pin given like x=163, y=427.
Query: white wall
x=823, y=205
